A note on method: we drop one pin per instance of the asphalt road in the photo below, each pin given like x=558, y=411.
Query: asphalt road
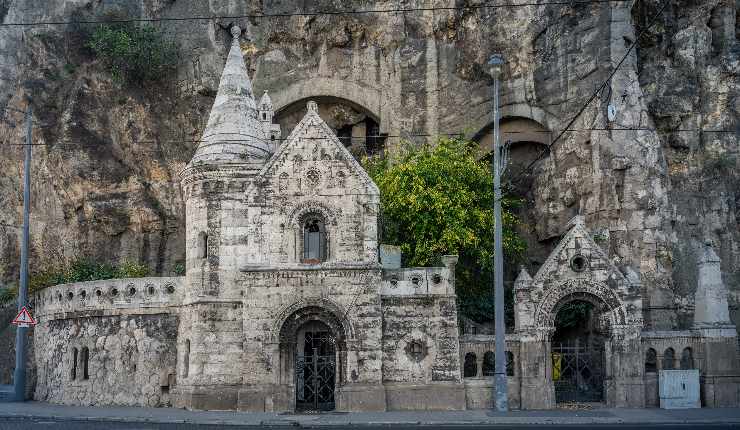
x=23, y=424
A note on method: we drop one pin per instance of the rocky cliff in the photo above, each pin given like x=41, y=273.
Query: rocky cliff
x=105, y=171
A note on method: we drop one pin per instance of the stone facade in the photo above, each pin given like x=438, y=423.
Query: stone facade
x=283, y=273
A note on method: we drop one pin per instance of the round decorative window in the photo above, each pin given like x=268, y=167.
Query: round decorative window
x=416, y=350
x=394, y=282
x=578, y=263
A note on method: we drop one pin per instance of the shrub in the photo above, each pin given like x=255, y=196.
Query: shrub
x=134, y=54
x=438, y=199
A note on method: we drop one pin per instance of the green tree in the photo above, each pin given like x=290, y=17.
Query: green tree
x=132, y=53
x=437, y=200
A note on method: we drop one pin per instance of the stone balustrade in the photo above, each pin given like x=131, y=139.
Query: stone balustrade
x=108, y=295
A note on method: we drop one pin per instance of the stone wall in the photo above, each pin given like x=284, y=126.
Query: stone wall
x=421, y=362
x=131, y=360
x=122, y=331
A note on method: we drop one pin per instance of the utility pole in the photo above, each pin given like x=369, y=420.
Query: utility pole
x=500, y=394
x=19, y=376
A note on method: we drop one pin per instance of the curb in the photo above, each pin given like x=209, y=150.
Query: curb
x=289, y=423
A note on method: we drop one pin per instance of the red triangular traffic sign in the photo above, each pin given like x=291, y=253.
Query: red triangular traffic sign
x=24, y=318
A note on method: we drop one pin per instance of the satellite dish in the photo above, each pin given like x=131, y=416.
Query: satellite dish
x=611, y=113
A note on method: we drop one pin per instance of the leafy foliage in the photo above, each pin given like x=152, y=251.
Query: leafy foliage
x=134, y=54
x=572, y=314
x=437, y=200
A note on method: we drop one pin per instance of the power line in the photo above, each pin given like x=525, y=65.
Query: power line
x=319, y=13
x=379, y=136
x=596, y=93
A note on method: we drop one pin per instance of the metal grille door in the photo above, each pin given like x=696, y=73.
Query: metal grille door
x=578, y=372
x=315, y=373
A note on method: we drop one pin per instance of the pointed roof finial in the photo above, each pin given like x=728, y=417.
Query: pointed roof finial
x=523, y=279
x=236, y=32
x=265, y=102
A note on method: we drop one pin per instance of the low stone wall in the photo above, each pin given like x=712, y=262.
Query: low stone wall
x=126, y=360
x=110, y=342
x=716, y=357
x=478, y=375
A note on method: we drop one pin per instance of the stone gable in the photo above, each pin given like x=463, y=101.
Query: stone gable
x=314, y=174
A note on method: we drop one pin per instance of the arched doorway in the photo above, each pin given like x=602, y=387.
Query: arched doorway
x=313, y=355
x=578, y=351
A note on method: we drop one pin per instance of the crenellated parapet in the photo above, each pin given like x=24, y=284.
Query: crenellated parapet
x=109, y=297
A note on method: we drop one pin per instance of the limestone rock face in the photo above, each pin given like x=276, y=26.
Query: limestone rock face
x=651, y=188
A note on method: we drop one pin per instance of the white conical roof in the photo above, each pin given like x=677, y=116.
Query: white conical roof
x=233, y=133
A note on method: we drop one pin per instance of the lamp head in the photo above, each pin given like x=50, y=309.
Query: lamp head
x=496, y=64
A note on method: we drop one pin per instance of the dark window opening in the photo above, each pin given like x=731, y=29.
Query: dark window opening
x=509, y=363
x=85, y=358
x=470, y=366
x=489, y=363
x=74, y=364
x=314, y=241
x=668, y=358
x=651, y=361
x=687, y=359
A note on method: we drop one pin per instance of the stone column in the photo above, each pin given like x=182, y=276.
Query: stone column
x=538, y=391
x=625, y=369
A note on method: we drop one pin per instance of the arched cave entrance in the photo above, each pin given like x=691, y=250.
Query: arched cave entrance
x=578, y=350
x=357, y=128
x=528, y=153
x=313, y=354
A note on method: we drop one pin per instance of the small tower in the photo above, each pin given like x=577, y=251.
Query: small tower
x=265, y=114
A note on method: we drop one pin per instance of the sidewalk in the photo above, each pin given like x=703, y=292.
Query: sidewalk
x=38, y=410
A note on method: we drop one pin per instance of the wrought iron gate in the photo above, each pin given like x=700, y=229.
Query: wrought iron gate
x=315, y=372
x=578, y=372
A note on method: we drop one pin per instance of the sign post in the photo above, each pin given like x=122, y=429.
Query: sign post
x=19, y=376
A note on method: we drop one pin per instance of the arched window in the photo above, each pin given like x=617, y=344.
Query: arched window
x=669, y=357
x=73, y=374
x=314, y=240
x=651, y=361
x=489, y=363
x=186, y=359
x=470, y=367
x=202, y=244
x=509, y=363
x=84, y=359
x=687, y=359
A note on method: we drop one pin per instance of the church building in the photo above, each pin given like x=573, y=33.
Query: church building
x=289, y=303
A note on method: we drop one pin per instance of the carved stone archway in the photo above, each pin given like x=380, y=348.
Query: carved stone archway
x=290, y=322
x=601, y=296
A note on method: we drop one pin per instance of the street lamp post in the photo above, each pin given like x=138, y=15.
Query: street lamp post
x=500, y=394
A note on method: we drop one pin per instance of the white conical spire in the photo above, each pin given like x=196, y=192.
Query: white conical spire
x=233, y=133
